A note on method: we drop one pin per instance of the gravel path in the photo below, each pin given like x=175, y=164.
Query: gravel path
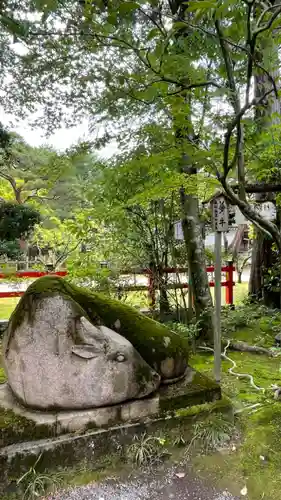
x=164, y=485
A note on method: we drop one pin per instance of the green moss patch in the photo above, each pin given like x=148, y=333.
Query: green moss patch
x=265, y=371
x=147, y=336
x=254, y=324
x=17, y=429
x=2, y=376
x=222, y=405
x=189, y=392
x=2, y=373
x=255, y=461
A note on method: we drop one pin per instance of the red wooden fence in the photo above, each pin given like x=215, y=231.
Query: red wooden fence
x=26, y=274
x=152, y=285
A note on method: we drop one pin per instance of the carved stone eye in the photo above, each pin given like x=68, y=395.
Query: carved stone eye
x=120, y=357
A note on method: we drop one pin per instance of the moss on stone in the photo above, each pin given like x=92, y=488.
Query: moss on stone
x=146, y=335
x=190, y=391
x=143, y=375
x=16, y=429
x=3, y=377
x=2, y=373
x=223, y=405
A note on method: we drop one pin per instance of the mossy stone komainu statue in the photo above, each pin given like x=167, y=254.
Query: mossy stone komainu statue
x=68, y=348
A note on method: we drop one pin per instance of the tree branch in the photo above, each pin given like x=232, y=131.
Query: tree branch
x=268, y=9
x=250, y=42
x=237, y=46
x=154, y=22
x=231, y=126
x=66, y=253
x=10, y=179
x=269, y=23
x=266, y=226
x=259, y=188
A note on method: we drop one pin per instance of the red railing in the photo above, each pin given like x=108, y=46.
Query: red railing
x=152, y=284
x=26, y=274
x=153, y=287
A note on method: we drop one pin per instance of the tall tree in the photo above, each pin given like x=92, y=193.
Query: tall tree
x=135, y=72
x=266, y=117
x=16, y=222
x=121, y=63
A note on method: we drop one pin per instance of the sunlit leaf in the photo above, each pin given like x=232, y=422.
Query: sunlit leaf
x=201, y=5
x=128, y=7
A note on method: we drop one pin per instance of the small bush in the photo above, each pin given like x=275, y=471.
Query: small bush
x=211, y=433
x=245, y=316
x=34, y=485
x=179, y=441
x=146, y=450
x=189, y=331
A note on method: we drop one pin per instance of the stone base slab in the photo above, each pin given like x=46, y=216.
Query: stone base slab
x=78, y=421
x=193, y=389
x=94, y=447
x=66, y=438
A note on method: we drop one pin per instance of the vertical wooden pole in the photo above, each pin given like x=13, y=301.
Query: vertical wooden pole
x=217, y=336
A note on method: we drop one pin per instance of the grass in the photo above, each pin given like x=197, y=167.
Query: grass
x=7, y=305
x=240, y=292
x=255, y=463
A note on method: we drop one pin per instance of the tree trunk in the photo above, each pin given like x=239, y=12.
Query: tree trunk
x=163, y=295
x=263, y=259
x=196, y=265
x=191, y=225
x=256, y=281
x=262, y=255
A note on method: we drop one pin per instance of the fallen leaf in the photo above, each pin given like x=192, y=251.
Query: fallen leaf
x=244, y=491
x=180, y=475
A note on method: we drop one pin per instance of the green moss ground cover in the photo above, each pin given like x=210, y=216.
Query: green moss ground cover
x=255, y=461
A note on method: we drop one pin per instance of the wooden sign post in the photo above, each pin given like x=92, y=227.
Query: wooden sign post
x=220, y=217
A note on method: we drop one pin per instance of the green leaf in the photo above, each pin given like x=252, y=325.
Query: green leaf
x=15, y=27
x=179, y=25
x=128, y=7
x=223, y=9
x=46, y=5
x=112, y=18
x=153, y=33
x=202, y=5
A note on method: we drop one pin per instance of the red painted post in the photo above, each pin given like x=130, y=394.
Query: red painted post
x=229, y=284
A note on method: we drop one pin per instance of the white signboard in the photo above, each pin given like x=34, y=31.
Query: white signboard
x=220, y=214
x=178, y=231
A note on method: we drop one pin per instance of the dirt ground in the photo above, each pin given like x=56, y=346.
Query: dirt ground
x=169, y=483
